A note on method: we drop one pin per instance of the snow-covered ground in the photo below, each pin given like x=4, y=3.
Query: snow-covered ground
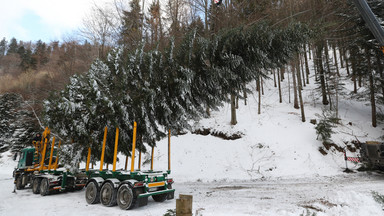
x=274, y=169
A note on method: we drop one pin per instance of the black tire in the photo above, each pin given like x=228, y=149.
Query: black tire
x=126, y=198
x=19, y=183
x=92, y=193
x=44, y=187
x=108, y=194
x=161, y=197
x=36, y=186
x=24, y=180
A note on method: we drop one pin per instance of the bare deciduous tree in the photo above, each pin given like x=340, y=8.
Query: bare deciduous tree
x=101, y=27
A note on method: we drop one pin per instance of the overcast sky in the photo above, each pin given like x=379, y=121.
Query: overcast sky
x=48, y=20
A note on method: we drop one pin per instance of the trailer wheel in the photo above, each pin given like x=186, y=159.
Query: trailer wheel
x=44, y=187
x=161, y=197
x=92, y=193
x=19, y=183
x=125, y=197
x=24, y=180
x=108, y=194
x=36, y=186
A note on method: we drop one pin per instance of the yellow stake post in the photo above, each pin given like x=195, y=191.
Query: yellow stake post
x=57, y=155
x=116, y=145
x=43, y=156
x=133, y=146
x=88, y=159
x=51, y=156
x=103, y=150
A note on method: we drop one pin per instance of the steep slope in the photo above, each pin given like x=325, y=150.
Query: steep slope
x=274, y=144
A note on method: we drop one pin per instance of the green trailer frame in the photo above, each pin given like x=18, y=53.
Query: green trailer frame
x=127, y=188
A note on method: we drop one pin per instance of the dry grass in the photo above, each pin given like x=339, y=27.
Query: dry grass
x=24, y=81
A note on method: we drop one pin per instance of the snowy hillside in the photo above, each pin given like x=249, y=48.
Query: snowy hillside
x=275, y=168
x=275, y=144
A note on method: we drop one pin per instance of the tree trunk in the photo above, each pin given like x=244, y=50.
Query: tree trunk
x=336, y=63
x=295, y=99
x=233, y=109
x=208, y=111
x=299, y=89
x=302, y=72
x=359, y=72
x=315, y=65
x=319, y=58
x=371, y=88
x=309, y=52
x=289, y=89
x=245, y=95
x=262, y=86
x=346, y=62
x=380, y=70
x=282, y=72
x=353, y=61
x=341, y=54
x=259, y=104
x=274, y=78
x=306, y=63
x=279, y=84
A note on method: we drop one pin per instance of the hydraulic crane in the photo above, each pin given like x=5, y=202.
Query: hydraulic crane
x=371, y=21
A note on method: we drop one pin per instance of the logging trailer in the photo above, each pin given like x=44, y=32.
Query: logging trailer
x=127, y=188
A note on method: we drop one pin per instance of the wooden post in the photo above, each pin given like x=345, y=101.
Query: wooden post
x=184, y=205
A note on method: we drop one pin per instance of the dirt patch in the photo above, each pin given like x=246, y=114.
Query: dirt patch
x=312, y=208
x=335, y=146
x=209, y=131
x=322, y=151
x=327, y=203
x=353, y=146
x=226, y=188
x=318, y=205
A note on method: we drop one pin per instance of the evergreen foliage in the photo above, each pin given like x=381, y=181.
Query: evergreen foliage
x=132, y=24
x=3, y=47
x=379, y=198
x=17, y=123
x=12, y=47
x=163, y=90
x=324, y=127
x=366, y=44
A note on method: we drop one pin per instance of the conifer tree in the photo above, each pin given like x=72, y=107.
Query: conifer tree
x=3, y=47
x=12, y=47
x=131, y=32
x=17, y=123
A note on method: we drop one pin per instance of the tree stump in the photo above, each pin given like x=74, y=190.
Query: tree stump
x=184, y=205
